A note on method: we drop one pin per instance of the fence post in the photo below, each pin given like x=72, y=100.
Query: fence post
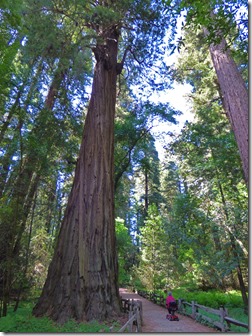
x=226, y=314
x=131, y=323
x=138, y=320
x=193, y=310
x=141, y=311
x=180, y=305
x=222, y=318
x=132, y=304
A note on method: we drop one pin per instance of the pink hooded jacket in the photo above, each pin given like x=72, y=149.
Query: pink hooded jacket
x=169, y=299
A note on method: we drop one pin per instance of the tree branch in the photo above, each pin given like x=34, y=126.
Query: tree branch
x=120, y=65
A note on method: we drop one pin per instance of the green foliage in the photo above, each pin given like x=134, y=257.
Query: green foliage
x=125, y=251
x=22, y=321
x=41, y=253
x=211, y=298
x=219, y=17
x=153, y=268
x=238, y=314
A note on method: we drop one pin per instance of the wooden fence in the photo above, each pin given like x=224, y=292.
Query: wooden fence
x=135, y=310
x=218, y=321
x=222, y=320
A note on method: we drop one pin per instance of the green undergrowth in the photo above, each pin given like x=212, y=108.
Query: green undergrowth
x=22, y=321
x=210, y=298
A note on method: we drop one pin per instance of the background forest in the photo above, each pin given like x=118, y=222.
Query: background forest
x=181, y=222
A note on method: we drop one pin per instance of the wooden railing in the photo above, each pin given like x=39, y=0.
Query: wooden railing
x=223, y=321
x=230, y=321
x=194, y=314
x=134, y=308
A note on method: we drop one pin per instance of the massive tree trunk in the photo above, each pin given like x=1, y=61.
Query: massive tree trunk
x=82, y=277
x=234, y=96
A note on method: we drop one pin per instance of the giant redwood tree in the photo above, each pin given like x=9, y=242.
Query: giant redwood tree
x=82, y=277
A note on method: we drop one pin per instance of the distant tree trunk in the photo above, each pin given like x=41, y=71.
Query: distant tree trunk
x=82, y=277
x=27, y=253
x=234, y=96
x=146, y=196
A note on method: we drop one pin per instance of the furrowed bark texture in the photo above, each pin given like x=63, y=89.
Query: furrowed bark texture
x=235, y=98
x=82, y=277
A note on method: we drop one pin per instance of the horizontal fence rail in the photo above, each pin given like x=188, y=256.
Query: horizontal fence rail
x=230, y=320
x=222, y=320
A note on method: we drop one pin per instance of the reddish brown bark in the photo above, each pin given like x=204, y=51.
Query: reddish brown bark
x=82, y=277
x=234, y=96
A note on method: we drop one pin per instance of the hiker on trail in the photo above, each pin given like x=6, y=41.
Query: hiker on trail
x=169, y=299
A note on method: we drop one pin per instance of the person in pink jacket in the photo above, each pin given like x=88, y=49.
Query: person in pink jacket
x=169, y=299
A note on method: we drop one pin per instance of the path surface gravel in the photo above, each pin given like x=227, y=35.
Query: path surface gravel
x=154, y=318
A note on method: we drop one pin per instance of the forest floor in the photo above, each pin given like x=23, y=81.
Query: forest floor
x=154, y=318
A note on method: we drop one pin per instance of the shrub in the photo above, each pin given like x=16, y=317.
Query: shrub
x=22, y=321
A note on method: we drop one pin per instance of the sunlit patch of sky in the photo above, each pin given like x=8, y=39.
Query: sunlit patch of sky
x=177, y=99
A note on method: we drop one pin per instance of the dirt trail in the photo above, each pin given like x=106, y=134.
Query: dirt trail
x=154, y=318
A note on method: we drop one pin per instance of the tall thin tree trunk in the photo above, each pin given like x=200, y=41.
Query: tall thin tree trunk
x=146, y=196
x=234, y=97
x=82, y=277
x=27, y=253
